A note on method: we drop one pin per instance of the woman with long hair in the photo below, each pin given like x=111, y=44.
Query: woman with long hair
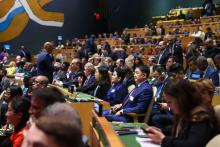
x=17, y=116
x=8, y=95
x=103, y=82
x=194, y=123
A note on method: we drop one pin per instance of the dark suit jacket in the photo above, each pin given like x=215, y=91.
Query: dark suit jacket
x=44, y=65
x=73, y=79
x=102, y=90
x=4, y=83
x=177, y=52
x=212, y=74
x=88, y=87
x=3, y=110
x=25, y=53
x=197, y=135
x=139, y=99
x=116, y=94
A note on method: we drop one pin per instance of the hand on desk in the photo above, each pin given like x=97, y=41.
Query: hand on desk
x=58, y=83
x=119, y=112
x=155, y=134
x=116, y=107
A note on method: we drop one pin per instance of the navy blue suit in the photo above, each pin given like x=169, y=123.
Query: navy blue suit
x=116, y=94
x=44, y=65
x=73, y=79
x=135, y=102
x=25, y=53
x=91, y=46
x=88, y=85
x=212, y=74
x=171, y=49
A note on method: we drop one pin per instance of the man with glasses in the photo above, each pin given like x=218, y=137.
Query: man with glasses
x=37, y=83
x=40, y=82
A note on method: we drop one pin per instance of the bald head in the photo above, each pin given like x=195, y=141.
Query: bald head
x=48, y=46
x=40, y=82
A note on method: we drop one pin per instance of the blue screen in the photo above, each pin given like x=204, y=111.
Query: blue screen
x=59, y=38
x=195, y=76
x=7, y=46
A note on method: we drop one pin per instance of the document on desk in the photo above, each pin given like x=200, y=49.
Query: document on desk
x=146, y=142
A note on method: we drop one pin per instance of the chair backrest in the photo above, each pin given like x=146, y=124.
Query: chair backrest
x=214, y=142
x=217, y=113
x=150, y=106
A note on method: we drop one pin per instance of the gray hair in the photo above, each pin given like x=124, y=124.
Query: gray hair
x=62, y=111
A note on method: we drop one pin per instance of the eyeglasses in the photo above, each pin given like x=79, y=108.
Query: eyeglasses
x=37, y=82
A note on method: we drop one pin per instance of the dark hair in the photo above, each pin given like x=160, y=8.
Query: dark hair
x=145, y=69
x=176, y=69
x=48, y=95
x=79, y=63
x=184, y=92
x=122, y=61
x=15, y=91
x=159, y=69
x=192, y=59
x=67, y=64
x=21, y=104
x=26, y=81
x=217, y=57
x=104, y=75
x=128, y=71
x=4, y=71
x=187, y=99
x=120, y=73
x=57, y=60
x=173, y=58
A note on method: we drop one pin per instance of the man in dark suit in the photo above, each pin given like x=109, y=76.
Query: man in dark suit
x=207, y=70
x=90, y=45
x=137, y=100
x=44, y=62
x=75, y=73
x=87, y=85
x=25, y=53
x=4, y=81
x=171, y=49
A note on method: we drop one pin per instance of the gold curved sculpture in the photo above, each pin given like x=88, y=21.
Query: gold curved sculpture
x=20, y=21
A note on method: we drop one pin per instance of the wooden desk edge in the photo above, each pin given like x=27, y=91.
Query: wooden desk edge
x=110, y=134
x=62, y=90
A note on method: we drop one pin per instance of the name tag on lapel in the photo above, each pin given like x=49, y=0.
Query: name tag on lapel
x=113, y=90
x=131, y=98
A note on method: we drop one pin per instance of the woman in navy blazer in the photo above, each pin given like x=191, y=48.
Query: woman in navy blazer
x=118, y=91
x=136, y=101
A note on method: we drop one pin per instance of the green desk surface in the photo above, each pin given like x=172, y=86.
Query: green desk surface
x=127, y=140
x=130, y=139
x=81, y=97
